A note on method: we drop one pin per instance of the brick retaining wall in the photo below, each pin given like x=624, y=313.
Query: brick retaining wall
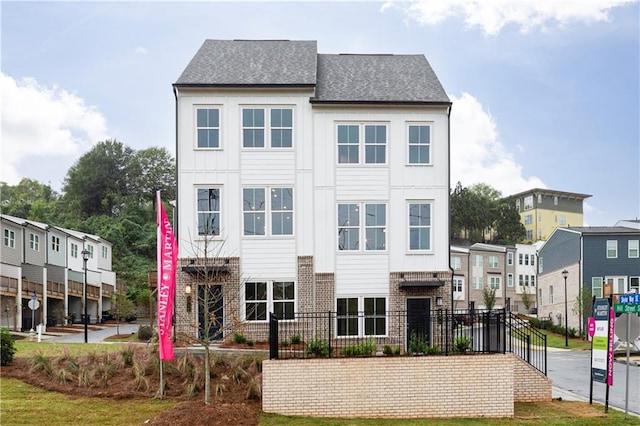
x=401, y=387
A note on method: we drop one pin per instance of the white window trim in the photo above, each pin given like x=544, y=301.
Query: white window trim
x=199, y=236
x=268, y=213
x=362, y=154
x=9, y=238
x=636, y=243
x=430, y=226
x=615, y=247
x=361, y=316
x=267, y=127
x=408, y=145
x=362, y=227
x=270, y=301
x=195, y=127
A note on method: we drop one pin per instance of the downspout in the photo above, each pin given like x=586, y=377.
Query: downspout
x=175, y=217
x=449, y=195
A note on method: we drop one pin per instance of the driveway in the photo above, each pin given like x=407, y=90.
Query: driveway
x=93, y=336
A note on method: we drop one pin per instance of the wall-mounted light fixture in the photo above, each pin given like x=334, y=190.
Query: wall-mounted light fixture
x=187, y=291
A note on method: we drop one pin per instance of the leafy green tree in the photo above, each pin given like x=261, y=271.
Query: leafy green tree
x=489, y=297
x=509, y=229
x=121, y=308
x=29, y=199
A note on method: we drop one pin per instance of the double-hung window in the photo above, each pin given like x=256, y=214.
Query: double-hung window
x=458, y=287
x=55, y=243
x=255, y=296
x=278, y=297
x=256, y=208
x=420, y=226
x=208, y=127
x=208, y=206
x=350, y=143
x=419, y=144
x=90, y=248
x=34, y=242
x=596, y=286
x=351, y=226
x=105, y=252
x=495, y=282
x=9, y=238
x=456, y=263
x=493, y=262
x=612, y=249
x=364, y=316
x=74, y=250
x=510, y=258
x=257, y=123
x=633, y=249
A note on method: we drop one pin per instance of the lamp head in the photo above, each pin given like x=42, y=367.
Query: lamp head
x=85, y=254
x=565, y=274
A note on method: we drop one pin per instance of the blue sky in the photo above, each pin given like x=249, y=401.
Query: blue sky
x=545, y=93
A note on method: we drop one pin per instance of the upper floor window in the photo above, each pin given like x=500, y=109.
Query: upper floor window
x=596, y=286
x=533, y=260
x=55, y=243
x=493, y=261
x=34, y=242
x=634, y=248
x=563, y=220
x=208, y=210
x=529, y=234
x=528, y=219
x=256, y=210
x=350, y=143
x=551, y=295
x=528, y=202
x=90, y=248
x=257, y=123
x=476, y=260
x=612, y=249
x=520, y=258
x=74, y=250
x=495, y=282
x=456, y=262
x=526, y=259
x=510, y=258
x=539, y=198
x=351, y=229
x=458, y=285
x=540, y=266
x=518, y=204
x=9, y=238
x=555, y=200
x=419, y=144
x=509, y=280
x=105, y=252
x=208, y=127
x=420, y=226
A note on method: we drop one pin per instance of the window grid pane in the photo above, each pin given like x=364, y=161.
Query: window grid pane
x=208, y=205
x=208, y=127
x=253, y=128
x=281, y=128
x=375, y=140
x=375, y=227
x=254, y=211
x=282, y=211
x=348, y=144
x=420, y=226
x=419, y=144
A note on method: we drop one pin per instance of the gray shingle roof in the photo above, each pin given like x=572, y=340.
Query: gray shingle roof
x=604, y=229
x=252, y=62
x=337, y=78
x=377, y=78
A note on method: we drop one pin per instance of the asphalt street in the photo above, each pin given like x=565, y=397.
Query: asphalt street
x=93, y=336
x=570, y=372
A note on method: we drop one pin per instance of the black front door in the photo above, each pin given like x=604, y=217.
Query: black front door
x=215, y=311
x=418, y=320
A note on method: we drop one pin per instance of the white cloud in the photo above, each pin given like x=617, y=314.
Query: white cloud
x=477, y=155
x=141, y=50
x=43, y=121
x=492, y=15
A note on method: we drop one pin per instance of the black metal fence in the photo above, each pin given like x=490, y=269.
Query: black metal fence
x=445, y=332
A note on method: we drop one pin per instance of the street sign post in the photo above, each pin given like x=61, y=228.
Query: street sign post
x=628, y=304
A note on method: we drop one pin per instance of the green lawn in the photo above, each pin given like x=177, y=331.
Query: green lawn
x=555, y=340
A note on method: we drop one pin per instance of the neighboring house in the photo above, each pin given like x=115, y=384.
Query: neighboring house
x=319, y=182
x=525, y=276
x=45, y=262
x=602, y=260
x=460, y=265
x=543, y=210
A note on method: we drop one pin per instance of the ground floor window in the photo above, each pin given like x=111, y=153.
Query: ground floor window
x=361, y=316
x=278, y=297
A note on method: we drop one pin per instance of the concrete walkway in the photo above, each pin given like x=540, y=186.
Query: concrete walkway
x=96, y=333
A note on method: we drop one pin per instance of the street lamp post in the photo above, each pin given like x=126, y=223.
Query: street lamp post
x=85, y=256
x=565, y=273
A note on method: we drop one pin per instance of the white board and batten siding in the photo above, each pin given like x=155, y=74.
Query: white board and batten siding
x=268, y=259
x=362, y=273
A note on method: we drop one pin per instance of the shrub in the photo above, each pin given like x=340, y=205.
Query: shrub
x=239, y=338
x=386, y=349
x=461, y=345
x=417, y=344
x=295, y=339
x=284, y=343
x=145, y=333
x=317, y=347
x=7, y=347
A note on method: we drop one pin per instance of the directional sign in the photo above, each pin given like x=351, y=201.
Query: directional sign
x=600, y=341
x=629, y=299
x=619, y=308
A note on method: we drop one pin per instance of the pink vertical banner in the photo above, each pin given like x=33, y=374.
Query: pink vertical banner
x=167, y=252
x=612, y=322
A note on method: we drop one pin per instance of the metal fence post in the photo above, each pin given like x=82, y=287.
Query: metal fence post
x=273, y=336
x=329, y=336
